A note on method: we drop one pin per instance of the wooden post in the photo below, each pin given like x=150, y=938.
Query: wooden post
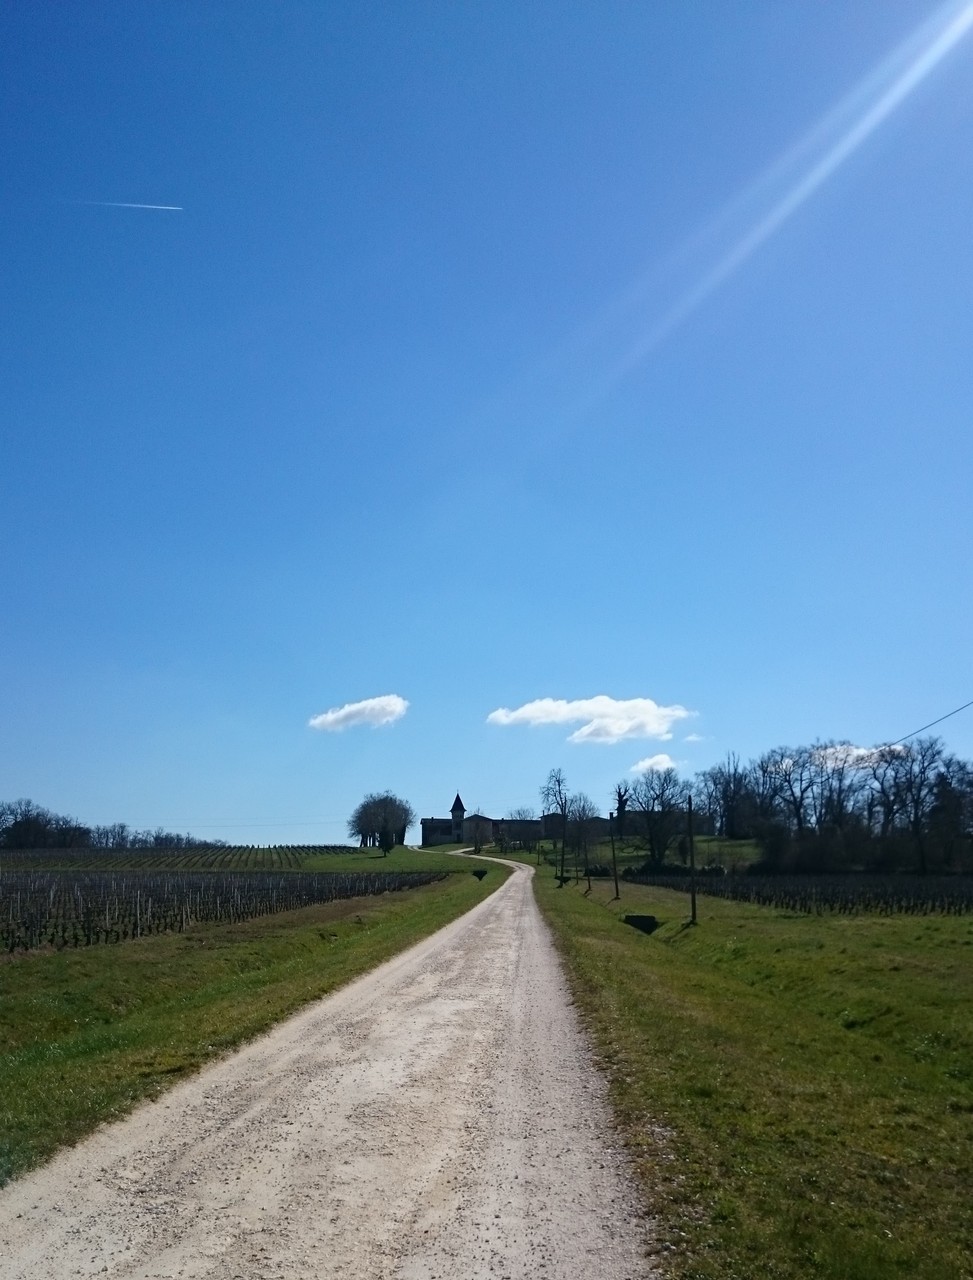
x=611, y=833
x=692, y=862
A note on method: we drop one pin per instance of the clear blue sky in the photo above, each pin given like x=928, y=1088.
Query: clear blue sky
x=494, y=353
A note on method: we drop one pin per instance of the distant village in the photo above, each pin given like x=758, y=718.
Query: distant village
x=477, y=829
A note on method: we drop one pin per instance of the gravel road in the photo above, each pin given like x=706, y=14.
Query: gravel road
x=439, y=1117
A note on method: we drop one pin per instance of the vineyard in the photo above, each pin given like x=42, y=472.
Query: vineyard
x=844, y=895
x=230, y=858
x=41, y=908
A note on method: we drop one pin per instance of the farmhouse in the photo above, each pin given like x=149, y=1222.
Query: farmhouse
x=459, y=827
x=475, y=828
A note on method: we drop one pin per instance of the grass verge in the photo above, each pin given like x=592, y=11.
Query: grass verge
x=87, y=1034
x=399, y=859
x=797, y=1091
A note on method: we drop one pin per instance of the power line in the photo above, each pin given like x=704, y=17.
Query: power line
x=930, y=724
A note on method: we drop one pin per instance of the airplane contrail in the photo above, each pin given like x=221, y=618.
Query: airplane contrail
x=124, y=204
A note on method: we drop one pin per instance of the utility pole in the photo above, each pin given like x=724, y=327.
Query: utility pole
x=692, y=862
x=611, y=833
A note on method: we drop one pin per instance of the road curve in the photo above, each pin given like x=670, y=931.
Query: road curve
x=438, y=1117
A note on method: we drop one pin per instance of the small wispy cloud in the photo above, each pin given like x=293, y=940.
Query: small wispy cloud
x=653, y=764
x=371, y=711
x=602, y=719
x=694, y=737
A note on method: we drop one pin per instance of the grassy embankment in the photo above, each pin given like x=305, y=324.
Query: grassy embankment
x=400, y=859
x=798, y=1090
x=85, y=1034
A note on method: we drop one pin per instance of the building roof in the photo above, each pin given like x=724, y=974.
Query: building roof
x=458, y=804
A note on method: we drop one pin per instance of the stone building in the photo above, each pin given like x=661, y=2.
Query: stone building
x=444, y=830
x=459, y=828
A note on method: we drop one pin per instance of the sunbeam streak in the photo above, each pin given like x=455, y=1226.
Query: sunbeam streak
x=932, y=52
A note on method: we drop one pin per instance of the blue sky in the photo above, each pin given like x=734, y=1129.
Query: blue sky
x=495, y=353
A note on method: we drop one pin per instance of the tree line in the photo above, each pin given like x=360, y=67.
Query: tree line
x=827, y=807
x=833, y=806
x=26, y=825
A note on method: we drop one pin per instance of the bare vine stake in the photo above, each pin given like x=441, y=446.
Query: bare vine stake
x=692, y=861
x=611, y=833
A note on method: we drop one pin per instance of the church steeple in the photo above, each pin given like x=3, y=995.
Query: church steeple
x=458, y=811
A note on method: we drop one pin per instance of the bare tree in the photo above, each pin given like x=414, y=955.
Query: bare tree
x=660, y=797
x=479, y=832
x=838, y=778
x=922, y=762
x=26, y=825
x=68, y=833
x=885, y=765
x=737, y=806
x=556, y=799
x=581, y=814
x=521, y=827
x=723, y=794
x=765, y=786
x=621, y=796
x=951, y=815
x=114, y=835
x=709, y=797
x=795, y=771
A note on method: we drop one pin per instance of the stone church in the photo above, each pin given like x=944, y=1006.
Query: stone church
x=459, y=827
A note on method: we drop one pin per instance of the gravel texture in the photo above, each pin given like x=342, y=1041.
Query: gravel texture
x=439, y=1117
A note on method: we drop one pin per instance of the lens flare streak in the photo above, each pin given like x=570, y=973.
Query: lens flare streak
x=906, y=82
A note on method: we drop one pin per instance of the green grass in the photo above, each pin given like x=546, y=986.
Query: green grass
x=87, y=1034
x=798, y=1092
x=399, y=859
x=630, y=853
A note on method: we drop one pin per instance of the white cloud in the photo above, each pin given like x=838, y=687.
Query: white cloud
x=373, y=711
x=603, y=719
x=654, y=764
x=845, y=754
x=694, y=737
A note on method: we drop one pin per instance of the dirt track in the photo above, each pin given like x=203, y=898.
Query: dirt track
x=437, y=1118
